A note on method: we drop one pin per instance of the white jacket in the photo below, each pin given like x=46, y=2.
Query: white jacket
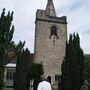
x=44, y=85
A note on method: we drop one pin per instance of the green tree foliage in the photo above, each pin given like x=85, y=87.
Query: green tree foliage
x=35, y=71
x=73, y=65
x=87, y=69
x=20, y=79
x=17, y=48
x=6, y=35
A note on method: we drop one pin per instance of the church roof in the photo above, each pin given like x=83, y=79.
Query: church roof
x=13, y=60
x=11, y=65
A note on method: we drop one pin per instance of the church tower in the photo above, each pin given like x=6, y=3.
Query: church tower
x=50, y=41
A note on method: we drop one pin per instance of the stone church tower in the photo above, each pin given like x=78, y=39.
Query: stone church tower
x=50, y=41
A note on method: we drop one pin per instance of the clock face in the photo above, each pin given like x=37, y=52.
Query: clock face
x=53, y=38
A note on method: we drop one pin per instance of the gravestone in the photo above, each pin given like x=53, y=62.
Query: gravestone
x=84, y=87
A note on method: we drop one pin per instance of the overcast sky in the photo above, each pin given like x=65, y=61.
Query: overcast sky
x=77, y=12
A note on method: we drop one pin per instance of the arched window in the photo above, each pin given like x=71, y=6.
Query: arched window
x=53, y=32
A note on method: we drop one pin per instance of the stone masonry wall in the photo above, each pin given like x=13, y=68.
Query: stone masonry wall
x=51, y=56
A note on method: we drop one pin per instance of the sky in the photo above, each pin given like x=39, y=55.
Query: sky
x=77, y=12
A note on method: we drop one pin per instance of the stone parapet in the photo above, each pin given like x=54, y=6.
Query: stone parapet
x=41, y=16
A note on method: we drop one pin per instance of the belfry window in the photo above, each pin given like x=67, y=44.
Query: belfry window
x=53, y=32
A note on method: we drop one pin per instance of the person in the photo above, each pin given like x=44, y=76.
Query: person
x=44, y=85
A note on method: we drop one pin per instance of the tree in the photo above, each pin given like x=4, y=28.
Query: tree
x=17, y=48
x=22, y=66
x=6, y=35
x=35, y=72
x=87, y=69
x=73, y=65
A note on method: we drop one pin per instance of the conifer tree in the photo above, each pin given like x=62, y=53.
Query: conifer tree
x=35, y=72
x=73, y=65
x=20, y=79
x=6, y=35
x=87, y=69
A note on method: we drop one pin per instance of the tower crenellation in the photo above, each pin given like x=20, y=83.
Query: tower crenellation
x=40, y=15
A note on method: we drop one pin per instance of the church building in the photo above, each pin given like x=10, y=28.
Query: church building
x=50, y=41
x=50, y=45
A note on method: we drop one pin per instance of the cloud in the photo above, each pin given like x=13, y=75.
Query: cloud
x=77, y=12
x=85, y=43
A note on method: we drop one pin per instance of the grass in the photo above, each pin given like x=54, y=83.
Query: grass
x=8, y=89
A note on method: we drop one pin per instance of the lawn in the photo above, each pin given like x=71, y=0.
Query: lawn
x=8, y=89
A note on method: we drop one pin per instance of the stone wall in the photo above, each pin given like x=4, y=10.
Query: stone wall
x=51, y=56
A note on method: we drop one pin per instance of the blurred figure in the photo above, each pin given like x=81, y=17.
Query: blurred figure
x=44, y=84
